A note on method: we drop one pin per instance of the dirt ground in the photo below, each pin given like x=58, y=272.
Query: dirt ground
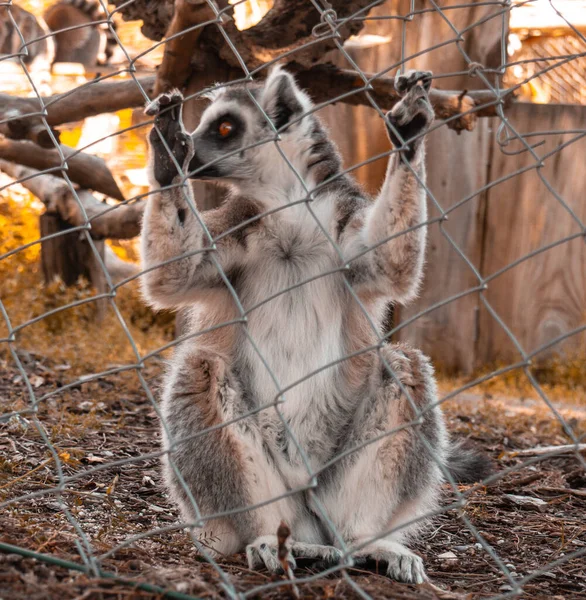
x=111, y=419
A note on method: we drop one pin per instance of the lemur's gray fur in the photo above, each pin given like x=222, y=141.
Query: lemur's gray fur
x=217, y=376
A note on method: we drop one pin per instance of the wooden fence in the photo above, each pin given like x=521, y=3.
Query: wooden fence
x=499, y=223
x=501, y=220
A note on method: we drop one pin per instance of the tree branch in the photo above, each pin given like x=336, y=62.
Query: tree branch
x=88, y=171
x=326, y=81
x=96, y=99
x=122, y=222
x=18, y=125
x=289, y=25
x=323, y=81
x=86, y=101
x=176, y=65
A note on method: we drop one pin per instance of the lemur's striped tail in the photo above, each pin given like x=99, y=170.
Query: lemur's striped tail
x=94, y=11
x=468, y=465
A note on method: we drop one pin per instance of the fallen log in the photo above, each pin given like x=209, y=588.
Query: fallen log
x=118, y=222
x=90, y=172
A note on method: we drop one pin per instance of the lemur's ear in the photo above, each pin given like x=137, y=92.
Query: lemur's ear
x=282, y=100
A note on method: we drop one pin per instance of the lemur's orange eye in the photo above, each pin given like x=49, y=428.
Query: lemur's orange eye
x=225, y=128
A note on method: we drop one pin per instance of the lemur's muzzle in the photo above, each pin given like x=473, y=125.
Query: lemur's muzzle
x=200, y=170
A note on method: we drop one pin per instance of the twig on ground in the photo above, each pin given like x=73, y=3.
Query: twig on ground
x=544, y=450
x=283, y=532
x=21, y=477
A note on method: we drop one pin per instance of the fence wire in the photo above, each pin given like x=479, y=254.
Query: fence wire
x=98, y=559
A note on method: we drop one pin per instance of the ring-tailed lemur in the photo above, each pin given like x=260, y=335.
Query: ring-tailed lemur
x=82, y=34
x=308, y=327
x=17, y=24
x=76, y=36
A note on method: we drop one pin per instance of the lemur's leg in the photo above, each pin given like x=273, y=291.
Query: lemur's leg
x=389, y=482
x=224, y=469
x=393, y=268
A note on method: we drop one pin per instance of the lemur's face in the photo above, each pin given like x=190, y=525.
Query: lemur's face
x=233, y=141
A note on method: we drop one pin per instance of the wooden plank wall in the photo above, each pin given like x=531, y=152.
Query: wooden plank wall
x=541, y=298
x=456, y=171
x=545, y=296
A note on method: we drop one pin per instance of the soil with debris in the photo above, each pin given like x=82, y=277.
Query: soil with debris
x=532, y=517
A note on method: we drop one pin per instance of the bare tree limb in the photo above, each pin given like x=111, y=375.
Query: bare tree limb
x=176, y=65
x=120, y=222
x=307, y=34
x=96, y=99
x=289, y=25
x=326, y=81
x=17, y=125
x=323, y=81
x=86, y=101
x=88, y=171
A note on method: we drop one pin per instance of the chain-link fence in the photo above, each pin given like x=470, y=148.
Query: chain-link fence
x=80, y=453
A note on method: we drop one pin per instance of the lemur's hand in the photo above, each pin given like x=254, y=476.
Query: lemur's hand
x=168, y=138
x=411, y=117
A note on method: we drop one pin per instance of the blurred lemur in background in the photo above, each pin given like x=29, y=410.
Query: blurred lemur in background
x=313, y=279
x=91, y=41
x=80, y=34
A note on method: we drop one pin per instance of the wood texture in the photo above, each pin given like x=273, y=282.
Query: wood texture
x=456, y=166
x=121, y=223
x=538, y=300
x=456, y=169
x=69, y=256
x=85, y=169
x=93, y=99
x=545, y=296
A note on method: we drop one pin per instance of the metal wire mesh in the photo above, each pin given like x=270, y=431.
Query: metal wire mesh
x=95, y=561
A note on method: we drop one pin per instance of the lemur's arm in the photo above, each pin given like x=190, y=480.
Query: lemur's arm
x=393, y=268
x=172, y=227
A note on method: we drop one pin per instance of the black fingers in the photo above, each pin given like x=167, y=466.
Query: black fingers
x=403, y=83
x=163, y=101
x=168, y=138
x=407, y=131
x=410, y=117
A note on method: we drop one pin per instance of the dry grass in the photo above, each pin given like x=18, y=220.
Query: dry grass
x=71, y=337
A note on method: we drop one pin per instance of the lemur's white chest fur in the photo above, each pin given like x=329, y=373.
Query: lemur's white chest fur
x=297, y=328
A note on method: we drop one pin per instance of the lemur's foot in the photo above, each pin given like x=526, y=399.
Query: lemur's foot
x=411, y=117
x=398, y=561
x=168, y=138
x=322, y=557
x=263, y=553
